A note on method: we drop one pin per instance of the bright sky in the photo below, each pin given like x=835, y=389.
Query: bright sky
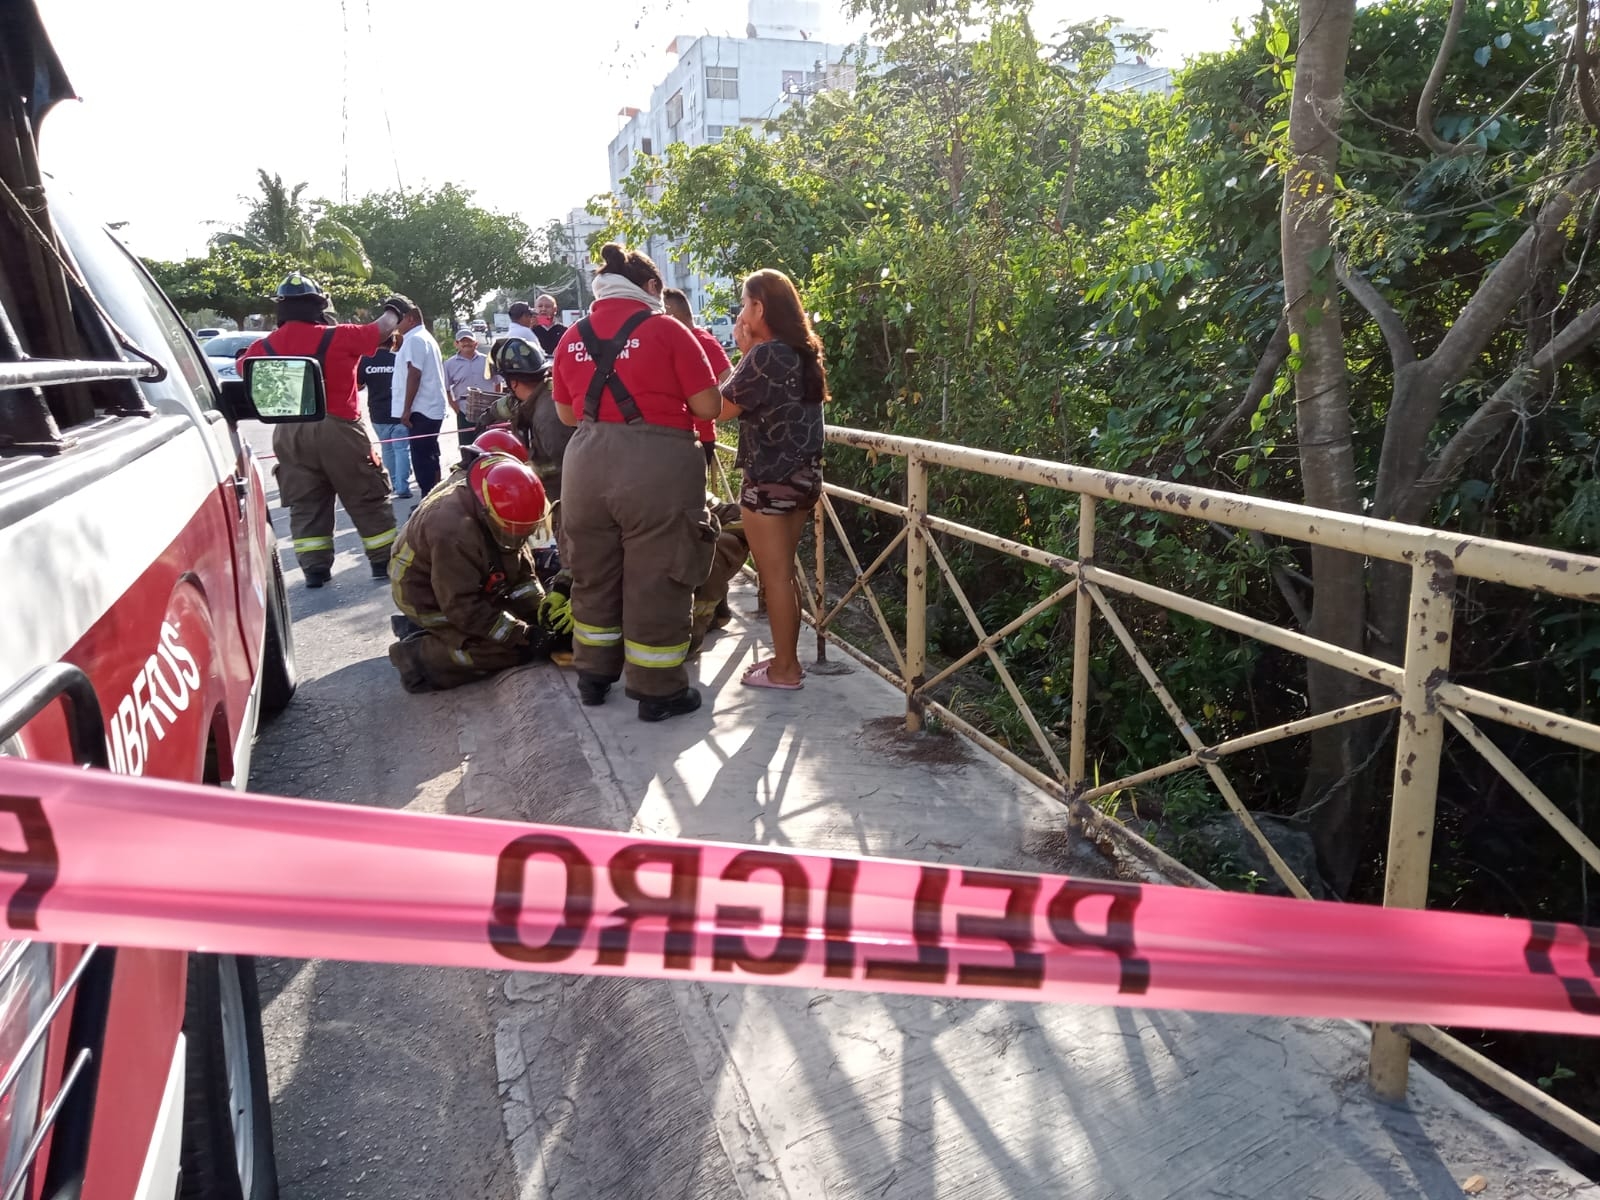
x=184, y=99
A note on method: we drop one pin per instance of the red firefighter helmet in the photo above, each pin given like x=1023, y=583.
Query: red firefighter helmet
x=501, y=441
x=511, y=496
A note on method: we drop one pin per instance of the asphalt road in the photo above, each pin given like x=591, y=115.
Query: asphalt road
x=383, y=1078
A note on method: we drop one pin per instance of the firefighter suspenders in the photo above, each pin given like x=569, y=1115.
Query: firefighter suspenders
x=604, y=354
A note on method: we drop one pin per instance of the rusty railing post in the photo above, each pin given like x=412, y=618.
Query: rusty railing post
x=822, y=579
x=916, y=589
x=1416, y=781
x=1076, y=776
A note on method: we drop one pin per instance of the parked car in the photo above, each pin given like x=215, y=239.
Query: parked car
x=147, y=627
x=722, y=329
x=481, y=328
x=222, y=351
x=201, y=335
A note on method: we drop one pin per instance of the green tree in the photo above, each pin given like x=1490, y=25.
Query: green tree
x=281, y=221
x=239, y=282
x=442, y=250
x=1000, y=253
x=551, y=273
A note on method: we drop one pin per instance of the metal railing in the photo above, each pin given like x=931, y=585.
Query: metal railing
x=1420, y=689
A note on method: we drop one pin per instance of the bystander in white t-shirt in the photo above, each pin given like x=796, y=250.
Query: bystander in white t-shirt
x=419, y=350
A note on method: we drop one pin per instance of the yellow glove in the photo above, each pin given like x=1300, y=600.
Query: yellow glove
x=555, y=613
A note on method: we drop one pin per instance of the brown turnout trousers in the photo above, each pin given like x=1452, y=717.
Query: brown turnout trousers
x=729, y=555
x=321, y=460
x=638, y=540
x=475, y=602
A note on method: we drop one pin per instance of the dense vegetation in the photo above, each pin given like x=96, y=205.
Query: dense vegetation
x=1001, y=251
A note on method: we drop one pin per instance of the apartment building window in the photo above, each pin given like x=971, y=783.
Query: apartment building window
x=714, y=132
x=722, y=83
x=674, y=115
x=644, y=146
x=797, y=84
x=622, y=160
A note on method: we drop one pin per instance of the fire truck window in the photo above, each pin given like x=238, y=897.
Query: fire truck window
x=196, y=372
x=138, y=308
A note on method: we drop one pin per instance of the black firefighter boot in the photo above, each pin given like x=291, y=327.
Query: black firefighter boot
x=403, y=654
x=592, y=689
x=659, y=708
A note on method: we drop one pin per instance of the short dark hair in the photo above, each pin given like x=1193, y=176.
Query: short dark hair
x=676, y=298
x=520, y=308
x=633, y=266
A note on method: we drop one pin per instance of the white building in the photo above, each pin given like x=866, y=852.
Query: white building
x=578, y=227
x=721, y=83
x=1132, y=71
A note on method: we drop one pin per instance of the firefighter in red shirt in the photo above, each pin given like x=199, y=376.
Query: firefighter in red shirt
x=635, y=532
x=320, y=460
x=675, y=303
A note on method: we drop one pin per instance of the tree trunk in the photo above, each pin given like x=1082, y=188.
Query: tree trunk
x=1414, y=397
x=1335, y=797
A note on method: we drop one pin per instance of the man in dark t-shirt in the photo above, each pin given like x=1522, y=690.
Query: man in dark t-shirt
x=546, y=328
x=375, y=373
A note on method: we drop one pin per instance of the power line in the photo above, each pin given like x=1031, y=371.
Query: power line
x=383, y=101
x=344, y=110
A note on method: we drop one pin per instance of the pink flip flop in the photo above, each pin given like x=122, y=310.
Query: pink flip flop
x=758, y=678
x=765, y=662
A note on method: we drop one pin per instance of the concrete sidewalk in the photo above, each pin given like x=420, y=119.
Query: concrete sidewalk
x=642, y=1089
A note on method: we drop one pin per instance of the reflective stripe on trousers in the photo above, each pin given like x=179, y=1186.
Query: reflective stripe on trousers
x=432, y=620
x=596, y=635
x=378, y=540
x=305, y=544
x=641, y=655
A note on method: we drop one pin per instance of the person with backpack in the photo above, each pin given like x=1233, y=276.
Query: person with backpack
x=319, y=461
x=635, y=532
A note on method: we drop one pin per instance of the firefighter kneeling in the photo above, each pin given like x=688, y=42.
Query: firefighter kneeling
x=463, y=573
x=711, y=609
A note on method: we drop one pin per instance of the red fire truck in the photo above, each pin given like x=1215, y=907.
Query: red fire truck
x=144, y=629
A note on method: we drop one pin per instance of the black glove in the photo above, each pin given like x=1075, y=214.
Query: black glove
x=400, y=305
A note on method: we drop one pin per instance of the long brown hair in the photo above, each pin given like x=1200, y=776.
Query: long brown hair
x=780, y=307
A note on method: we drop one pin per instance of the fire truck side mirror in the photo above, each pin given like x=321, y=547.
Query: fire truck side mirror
x=276, y=391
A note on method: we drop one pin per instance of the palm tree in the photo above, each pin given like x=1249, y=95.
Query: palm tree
x=281, y=221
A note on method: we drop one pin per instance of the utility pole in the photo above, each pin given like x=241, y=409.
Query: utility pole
x=577, y=258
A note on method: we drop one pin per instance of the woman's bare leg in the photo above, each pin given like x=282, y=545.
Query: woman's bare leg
x=773, y=538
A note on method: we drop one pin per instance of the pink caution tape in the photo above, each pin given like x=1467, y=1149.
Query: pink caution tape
x=95, y=857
